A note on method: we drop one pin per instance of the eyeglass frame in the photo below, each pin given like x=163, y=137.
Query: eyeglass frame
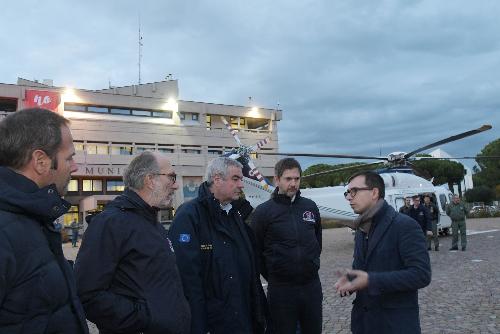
x=354, y=190
x=172, y=176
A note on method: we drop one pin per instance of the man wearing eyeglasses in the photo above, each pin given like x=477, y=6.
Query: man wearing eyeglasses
x=390, y=263
x=126, y=270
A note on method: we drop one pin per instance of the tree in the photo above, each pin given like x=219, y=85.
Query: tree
x=488, y=173
x=480, y=194
x=443, y=171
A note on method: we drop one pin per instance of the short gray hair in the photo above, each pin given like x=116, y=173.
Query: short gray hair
x=220, y=167
x=142, y=165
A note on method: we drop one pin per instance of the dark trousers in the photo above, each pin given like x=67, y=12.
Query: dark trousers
x=293, y=304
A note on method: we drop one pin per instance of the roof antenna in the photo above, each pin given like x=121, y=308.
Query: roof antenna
x=140, y=49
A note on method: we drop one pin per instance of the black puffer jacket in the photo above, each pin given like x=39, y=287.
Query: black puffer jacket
x=126, y=272
x=288, y=238
x=37, y=288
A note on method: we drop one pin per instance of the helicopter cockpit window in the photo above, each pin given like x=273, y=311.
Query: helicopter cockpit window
x=443, y=200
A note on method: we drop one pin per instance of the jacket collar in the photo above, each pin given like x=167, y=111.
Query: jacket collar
x=130, y=200
x=284, y=199
x=381, y=222
x=20, y=195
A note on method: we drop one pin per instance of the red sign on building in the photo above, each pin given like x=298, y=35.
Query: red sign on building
x=42, y=99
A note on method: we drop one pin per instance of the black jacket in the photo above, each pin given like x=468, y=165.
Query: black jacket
x=421, y=215
x=126, y=272
x=288, y=238
x=207, y=243
x=37, y=287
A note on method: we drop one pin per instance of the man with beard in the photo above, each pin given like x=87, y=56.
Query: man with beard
x=126, y=270
x=37, y=287
x=390, y=263
x=216, y=257
x=288, y=233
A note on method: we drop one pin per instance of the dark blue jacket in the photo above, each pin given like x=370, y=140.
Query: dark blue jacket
x=288, y=238
x=422, y=216
x=126, y=272
x=37, y=287
x=396, y=259
x=205, y=249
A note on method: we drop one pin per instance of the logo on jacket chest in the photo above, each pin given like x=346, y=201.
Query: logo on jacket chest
x=308, y=217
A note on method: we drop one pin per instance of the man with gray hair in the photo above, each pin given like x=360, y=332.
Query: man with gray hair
x=216, y=257
x=126, y=271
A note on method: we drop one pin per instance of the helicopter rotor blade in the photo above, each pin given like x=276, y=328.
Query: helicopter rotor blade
x=255, y=172
x=260, y=144
x=324, y=155
x=449, y=139
x=341, y=169
x=231, y=130
x=486, y=157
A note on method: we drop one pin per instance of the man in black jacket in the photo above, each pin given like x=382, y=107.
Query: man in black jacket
x=420, y=213
x=126, y=270
x=215, y=255
x=37, y=287
x=288, y=233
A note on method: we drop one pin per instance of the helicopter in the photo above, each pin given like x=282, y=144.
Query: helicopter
x=398, y=176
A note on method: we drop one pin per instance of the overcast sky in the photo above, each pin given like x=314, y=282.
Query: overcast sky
x=352, y=77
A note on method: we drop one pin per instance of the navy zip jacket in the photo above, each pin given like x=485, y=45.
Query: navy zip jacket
x=422, y=216
x=222, y=287
x=126, y=272
x=37, y=287
x=288, y=238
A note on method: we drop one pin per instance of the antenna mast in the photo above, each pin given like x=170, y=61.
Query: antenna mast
x=140, y=49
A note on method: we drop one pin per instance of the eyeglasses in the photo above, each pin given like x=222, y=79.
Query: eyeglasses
x=354, y=190
x=171, y=176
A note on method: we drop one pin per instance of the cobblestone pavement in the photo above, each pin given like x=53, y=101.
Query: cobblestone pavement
x=463, y=297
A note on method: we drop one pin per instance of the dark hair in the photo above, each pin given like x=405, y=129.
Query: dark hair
x=372, y=180
x=284, y=164
x=25, y=131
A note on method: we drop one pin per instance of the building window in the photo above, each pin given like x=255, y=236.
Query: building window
x=92, y=185
x=191, y=151
x=71, y=215
x=119, y=111
x=162, y=114
x=121, y=150
x=182, y=116
x=195, y=117
x=215, y=150
x=237, y=122
x=73, y=185
x=115, y=185
x=100, y=148
x=74, y=107
x=79, y=147
x=209, y=121
x=141, y=113
x=97, y=109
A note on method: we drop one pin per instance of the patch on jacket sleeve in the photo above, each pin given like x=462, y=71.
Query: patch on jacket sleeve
x=184, y=237
x=308, y=217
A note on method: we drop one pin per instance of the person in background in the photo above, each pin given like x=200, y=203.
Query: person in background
x=75, y=230
x=457, y=212
x=434, y=216
x=420, y=213
x=406, y=207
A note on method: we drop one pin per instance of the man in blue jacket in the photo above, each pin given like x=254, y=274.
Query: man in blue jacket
x=126, y=270
x=216, y=257
x=420, y=213
x=37, y=287
x=390, y=264
x=288, y=233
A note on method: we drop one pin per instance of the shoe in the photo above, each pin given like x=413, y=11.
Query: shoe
x=453, y=248
x=436, y=248
x=463, y=249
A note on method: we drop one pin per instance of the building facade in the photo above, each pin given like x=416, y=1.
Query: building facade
x=110, y=126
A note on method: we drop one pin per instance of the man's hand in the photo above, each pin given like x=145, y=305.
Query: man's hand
x=351, y=281
x=430, y=234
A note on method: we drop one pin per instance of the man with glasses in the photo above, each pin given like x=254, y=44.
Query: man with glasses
x=126, y=270
x=390, y=262
x=37, y=286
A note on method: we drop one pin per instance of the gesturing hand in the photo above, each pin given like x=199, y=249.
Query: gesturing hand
x=351, y=281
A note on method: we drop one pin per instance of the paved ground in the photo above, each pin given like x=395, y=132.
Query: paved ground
x=463, y=297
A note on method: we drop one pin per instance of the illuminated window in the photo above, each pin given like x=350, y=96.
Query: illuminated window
x=121, y=150
x=92, y=185
x=94, y=148
x=73, y=185
x=79, y=147
x=115, y=185
x=71, y=215
x=209, y=122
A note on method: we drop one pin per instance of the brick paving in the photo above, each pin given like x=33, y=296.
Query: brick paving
x=463, y=297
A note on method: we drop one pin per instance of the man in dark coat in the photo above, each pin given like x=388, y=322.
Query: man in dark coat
x=37, y=287
x=434, y=217
x=288, y=232
x=420, y=213
x=390, y=262
x=126, y=271
x=215, y=255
